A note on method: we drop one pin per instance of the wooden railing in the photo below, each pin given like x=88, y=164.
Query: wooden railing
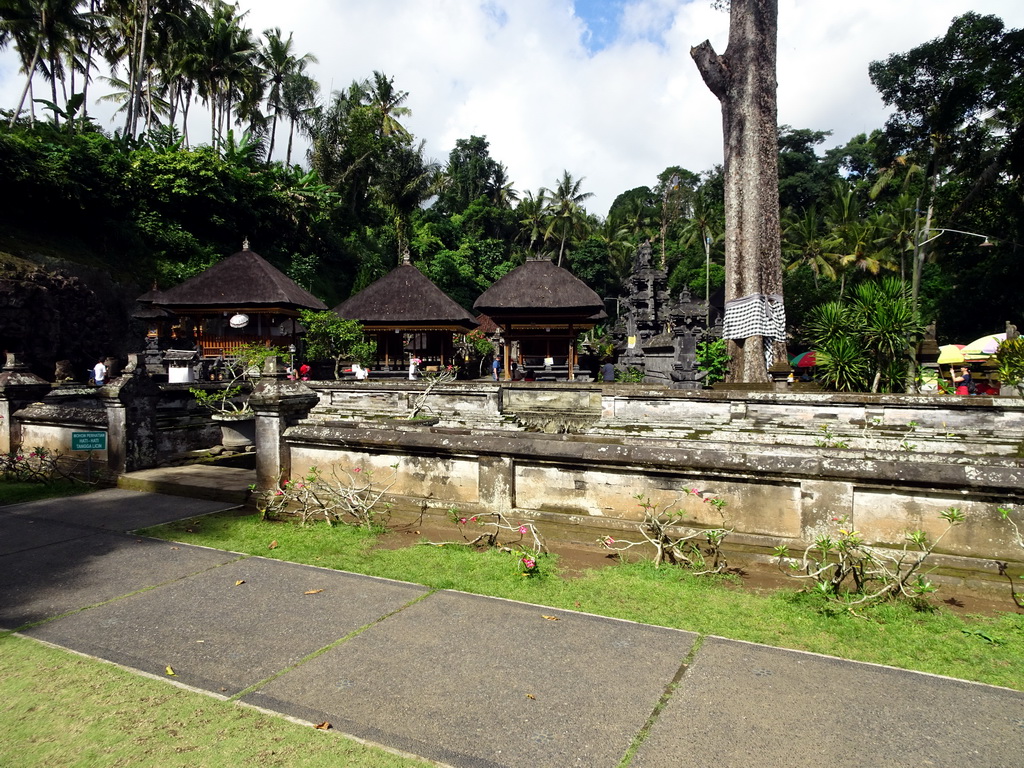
x=227, y=346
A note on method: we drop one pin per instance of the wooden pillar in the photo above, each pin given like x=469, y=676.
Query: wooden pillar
x=507, y=354
x=571, y=357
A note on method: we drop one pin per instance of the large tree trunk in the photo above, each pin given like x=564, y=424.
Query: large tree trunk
x=743, y=79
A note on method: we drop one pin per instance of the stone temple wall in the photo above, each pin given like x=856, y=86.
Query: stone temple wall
x=888, y=464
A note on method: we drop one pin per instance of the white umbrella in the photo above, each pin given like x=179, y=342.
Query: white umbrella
x=983, y=347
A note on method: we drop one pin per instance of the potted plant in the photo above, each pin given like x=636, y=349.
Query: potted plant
x=230, y=401
x=1009, y=360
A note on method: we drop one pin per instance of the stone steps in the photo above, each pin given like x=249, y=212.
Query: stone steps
x=227, y=484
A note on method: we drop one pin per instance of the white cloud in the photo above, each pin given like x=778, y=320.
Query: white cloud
x=519, y=72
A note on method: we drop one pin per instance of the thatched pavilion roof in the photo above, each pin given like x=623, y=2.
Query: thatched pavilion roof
x=539, y=288
x=146, y=306
x=405, y=297
x=244, y=280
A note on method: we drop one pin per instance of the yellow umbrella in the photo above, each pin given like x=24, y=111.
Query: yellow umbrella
x=951, y=353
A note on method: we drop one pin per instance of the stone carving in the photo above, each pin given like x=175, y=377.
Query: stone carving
x=656, y=334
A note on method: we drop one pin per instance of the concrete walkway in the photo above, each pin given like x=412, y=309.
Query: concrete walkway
x=461, y=679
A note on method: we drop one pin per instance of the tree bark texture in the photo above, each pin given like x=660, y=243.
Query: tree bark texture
x=744, y=80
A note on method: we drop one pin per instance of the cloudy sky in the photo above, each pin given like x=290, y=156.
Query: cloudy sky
x=604, y=89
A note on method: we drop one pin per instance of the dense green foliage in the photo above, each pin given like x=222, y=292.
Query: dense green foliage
x=150, y=205
x=329, y=337
x=865, y=341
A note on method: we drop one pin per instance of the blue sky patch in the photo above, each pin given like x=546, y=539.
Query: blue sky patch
x=602, y=18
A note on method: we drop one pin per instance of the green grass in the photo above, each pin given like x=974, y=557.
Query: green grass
x=59, y=709
x=18, y=492
x=935, y=641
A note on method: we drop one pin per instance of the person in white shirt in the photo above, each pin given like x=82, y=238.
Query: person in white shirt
x=99, y=372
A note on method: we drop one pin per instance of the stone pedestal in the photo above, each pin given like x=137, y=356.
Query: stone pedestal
x=18, y=388
x=130, y=402
x=279, y=403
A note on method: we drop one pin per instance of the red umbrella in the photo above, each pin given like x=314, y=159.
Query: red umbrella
x=804, y=360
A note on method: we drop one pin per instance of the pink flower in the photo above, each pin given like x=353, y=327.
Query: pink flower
x=462, y=521
x=529, y=562
x=279, y=493
x=357, y=470
x=609, y=540
x=695, y=491
x=472, y=519
x=522, y=529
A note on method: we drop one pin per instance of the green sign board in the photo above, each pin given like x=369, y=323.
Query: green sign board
x=88, y=441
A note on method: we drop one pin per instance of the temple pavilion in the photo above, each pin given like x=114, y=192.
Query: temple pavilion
x=408, y=316
x=541, y=309
x=239, y=300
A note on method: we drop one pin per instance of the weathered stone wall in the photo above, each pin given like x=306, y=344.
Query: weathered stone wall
x=582, y=488
x=947, y=425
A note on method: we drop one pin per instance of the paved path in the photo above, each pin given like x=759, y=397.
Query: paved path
x=461, y=679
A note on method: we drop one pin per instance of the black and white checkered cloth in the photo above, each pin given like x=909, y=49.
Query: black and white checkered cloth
x=759, y=314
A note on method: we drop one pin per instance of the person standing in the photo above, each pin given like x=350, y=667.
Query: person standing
x=608, y=372
x=99, y=372
x=965, y=381
x=495, y=368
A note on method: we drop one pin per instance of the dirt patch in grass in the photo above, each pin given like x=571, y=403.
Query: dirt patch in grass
x=752, y=575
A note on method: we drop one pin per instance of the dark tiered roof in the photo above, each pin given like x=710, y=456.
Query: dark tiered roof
x=146, y=306
x=405, y=297
x=244, y=280
x=536, y=288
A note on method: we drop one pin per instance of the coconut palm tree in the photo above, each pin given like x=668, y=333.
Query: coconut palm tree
x=42, y=32
x=404, y=181
x=533, y=219
x=567, y=216
x=300, y=94
x=615, y=237
x=279, y=62
x=387, y=101
x=226, y=66
x=805, y=242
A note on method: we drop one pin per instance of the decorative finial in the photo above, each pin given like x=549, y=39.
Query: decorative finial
x=245, y=244
x=406, y=257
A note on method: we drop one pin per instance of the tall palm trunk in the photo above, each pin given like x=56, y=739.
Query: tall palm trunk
x=28, y=80
x=140, y=68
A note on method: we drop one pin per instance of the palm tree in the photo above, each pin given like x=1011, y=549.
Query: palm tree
x=706, y=225
x=279, y=63
x=533, y=220
x=43, y=32
x=226, y=70
x=897, y=223
x=806, y=243
x=499, y=189
x=405, y=181
x=639, y=219
x=300, y=93
x=857, y=236
x=568, y=218
x=615, y=238
x=387, y=101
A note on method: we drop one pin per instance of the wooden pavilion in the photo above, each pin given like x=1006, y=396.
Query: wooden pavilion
x=541, y=308
x=240, y=300
x=408, y=316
